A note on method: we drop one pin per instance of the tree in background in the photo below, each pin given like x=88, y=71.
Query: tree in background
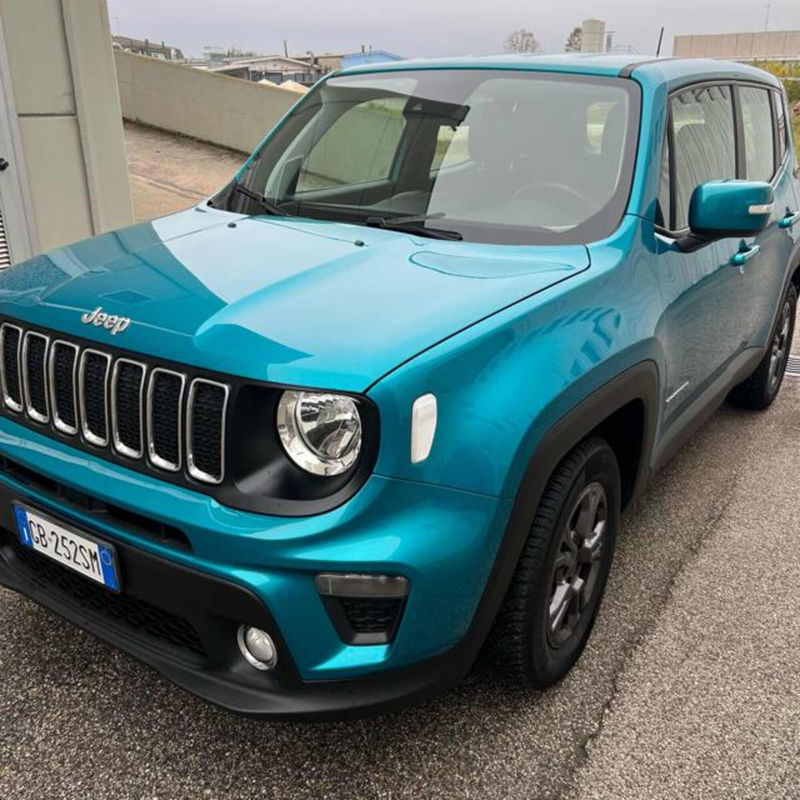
x=575, y=41
x=521, y=41
x=789, y=74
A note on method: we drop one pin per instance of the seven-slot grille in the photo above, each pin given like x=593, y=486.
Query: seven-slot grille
x=140, y=412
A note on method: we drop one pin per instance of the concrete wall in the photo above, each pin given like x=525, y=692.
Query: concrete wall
x=57, y=71
x=215, y=108
x=740, y=46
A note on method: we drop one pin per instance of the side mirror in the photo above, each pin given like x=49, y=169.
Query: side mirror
x=731, y=208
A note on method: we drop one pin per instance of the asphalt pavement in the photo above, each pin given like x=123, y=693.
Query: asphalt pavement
x=689, y=687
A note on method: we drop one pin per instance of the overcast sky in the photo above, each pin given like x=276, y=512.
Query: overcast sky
x=430, y=27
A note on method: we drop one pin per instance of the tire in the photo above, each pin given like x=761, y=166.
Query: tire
x=526, y=648
x=761, y=388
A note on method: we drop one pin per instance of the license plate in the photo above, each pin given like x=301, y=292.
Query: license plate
x=76, y=551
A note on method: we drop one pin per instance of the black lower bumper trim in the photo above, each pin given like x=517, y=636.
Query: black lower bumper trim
x=201, y=614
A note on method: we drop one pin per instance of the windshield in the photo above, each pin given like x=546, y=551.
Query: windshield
x=487, y=156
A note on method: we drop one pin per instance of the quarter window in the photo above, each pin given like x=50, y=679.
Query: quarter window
x=452, y=147
x=359, y=147
x=704, y=143
x=759, y=142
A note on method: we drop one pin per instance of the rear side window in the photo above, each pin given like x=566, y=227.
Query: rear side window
x=703, y=140
x=759, y=142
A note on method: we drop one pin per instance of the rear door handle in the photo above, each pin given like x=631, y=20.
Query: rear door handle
x=790, y=220
x=743, y=256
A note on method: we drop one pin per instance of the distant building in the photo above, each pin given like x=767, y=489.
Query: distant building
x=594, y=36
x=144, y=47
x=276, y=69
x=334, y=61
x=763, y=46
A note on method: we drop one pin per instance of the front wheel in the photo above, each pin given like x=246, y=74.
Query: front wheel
x=555, y=593
x=761, y=388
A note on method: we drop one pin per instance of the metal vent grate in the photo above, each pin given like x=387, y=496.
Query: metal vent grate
x=793, y=367
x=5, y=255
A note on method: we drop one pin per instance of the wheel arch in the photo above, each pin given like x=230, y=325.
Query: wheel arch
x=626, y=404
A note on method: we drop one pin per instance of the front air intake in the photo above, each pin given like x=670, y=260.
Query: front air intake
x=141, y=412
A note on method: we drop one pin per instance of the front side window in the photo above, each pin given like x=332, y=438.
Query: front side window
x=759, y=142
x=703, y=140
x=489, y=156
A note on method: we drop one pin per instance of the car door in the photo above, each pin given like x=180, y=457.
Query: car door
x=706, y=322
x=765, y=157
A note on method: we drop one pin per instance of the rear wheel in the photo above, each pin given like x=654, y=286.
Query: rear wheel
x=555, y=593
x=761, y=388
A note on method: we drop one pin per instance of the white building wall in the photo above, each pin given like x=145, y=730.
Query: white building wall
x=59, y=80
x=740, y=46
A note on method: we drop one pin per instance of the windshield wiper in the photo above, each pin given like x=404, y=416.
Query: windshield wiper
x=267, y=205
x=407, y=225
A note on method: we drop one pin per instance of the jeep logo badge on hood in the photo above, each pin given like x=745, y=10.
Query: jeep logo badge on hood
x=111, y=322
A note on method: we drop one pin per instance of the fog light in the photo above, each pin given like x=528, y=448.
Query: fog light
x=256, y=647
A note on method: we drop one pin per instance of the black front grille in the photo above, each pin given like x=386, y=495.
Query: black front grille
x=94, y=374
x=127, y=399
x=145, y=619
x=205, y=430
x=63, y=364
x=138, y=410
x=371, y=614
x=166, y=395
x=35, y=351
x=12, y=390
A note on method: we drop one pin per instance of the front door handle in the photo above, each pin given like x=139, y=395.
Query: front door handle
x=743, y=256
x=790, y=220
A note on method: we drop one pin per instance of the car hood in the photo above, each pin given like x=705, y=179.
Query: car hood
x=302, y=302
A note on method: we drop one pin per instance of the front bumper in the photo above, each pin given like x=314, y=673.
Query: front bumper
x=185, y=599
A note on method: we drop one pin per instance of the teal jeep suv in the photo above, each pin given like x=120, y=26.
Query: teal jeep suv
x=308, y=446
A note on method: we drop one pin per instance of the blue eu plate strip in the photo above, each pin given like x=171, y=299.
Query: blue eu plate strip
x=107, y=565
x=22, y=526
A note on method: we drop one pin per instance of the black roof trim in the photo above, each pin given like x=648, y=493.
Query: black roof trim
x=627, y=71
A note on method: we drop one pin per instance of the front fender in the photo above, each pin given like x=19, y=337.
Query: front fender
x=503, y=383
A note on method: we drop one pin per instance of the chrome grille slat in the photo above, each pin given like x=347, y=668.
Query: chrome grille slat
x=10, y=340
x=206, y=462
x=33, y=366
x=164, y=430
x=93, y=396
x=127, y=419
x=170, y=421
x=62, y=377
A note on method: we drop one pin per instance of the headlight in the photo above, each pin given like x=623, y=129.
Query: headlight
x=320, y=432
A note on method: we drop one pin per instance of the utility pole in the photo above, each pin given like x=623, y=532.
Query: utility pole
x=769, y=11
x=286, y=48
